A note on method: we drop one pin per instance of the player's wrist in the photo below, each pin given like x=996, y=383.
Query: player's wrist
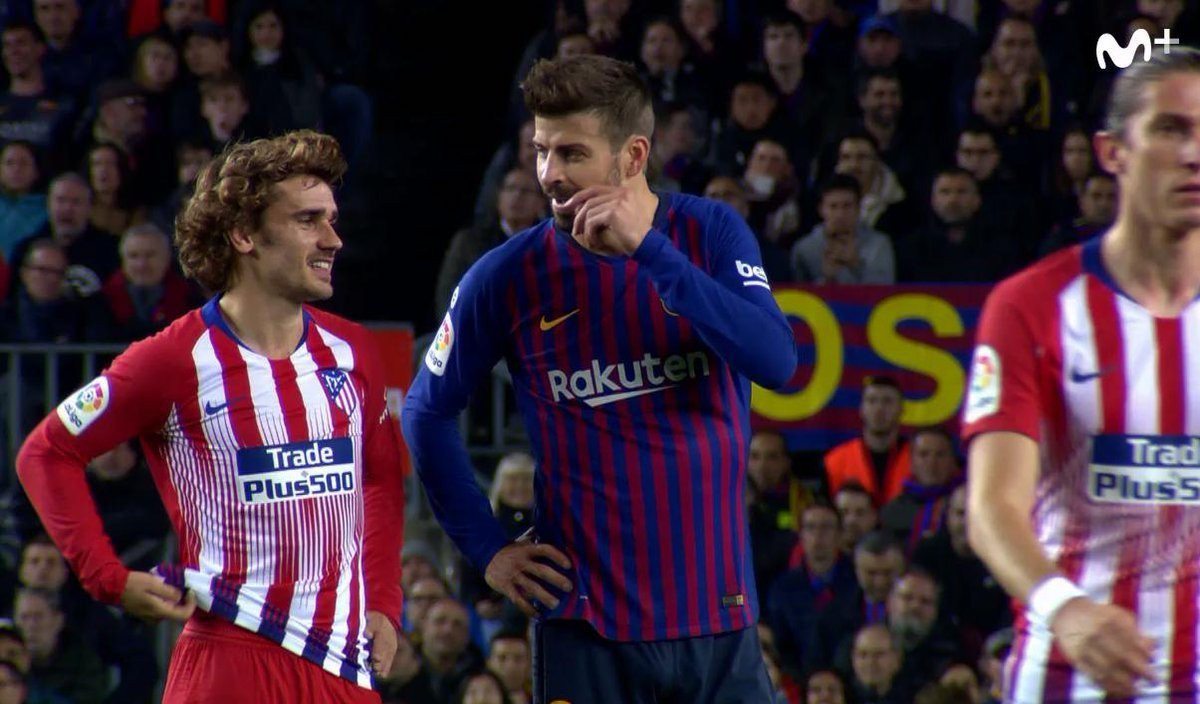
x=1051, y=595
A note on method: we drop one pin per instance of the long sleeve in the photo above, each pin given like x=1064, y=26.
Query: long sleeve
x=383, y=496
x=731, y=308
x=467, y=345
x=127, y=399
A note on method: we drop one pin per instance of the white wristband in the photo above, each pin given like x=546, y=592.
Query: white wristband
x=1049, y=596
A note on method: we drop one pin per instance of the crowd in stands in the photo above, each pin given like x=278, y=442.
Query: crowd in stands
x=864, y=141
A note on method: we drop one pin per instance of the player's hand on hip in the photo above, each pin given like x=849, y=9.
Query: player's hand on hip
x=382, y=635
x=609, y=219
x=1104, y=643
x=149, y=598
x=517, y=573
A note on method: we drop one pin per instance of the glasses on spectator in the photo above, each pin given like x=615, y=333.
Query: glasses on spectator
x=47, y=270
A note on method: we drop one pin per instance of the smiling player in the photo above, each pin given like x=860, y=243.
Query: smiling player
x=267, y=434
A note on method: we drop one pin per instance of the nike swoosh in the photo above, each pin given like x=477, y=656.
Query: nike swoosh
x=551, y=324
x=1078, y=377
x=210, y=409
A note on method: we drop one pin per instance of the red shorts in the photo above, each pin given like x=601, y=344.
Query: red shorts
x=216, y=662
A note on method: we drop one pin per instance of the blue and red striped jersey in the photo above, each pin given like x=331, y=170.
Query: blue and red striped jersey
x=632, y=375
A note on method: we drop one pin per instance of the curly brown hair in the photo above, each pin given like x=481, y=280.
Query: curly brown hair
x=234, y=189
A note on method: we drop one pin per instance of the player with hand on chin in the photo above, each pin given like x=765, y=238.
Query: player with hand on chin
x=1083, y=415
x=266, y=430
x=632, y=323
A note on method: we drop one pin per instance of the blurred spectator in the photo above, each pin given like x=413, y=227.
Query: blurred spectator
x=927, y=647
x=884, y=205
x=481, y=687
x=113, y=206
x=225, y=106
x=962, y=679
x=75, y=60
x=841, y=249
x=121, y=118
x=43, y=309
x=807, y=102
x=879, y=45
x=919, y=510
x=22, y=211
x=206, y=53
x=1097, y=205
x=1006, y=191
x=178, y=15
x=13, y=650
x=61, y=661
x=774, y=191
x=511, y=658
x=420, y=599
x=938, y=693
x=574, y=43
x=408, y=682
x=875, y=662
x=129, y=506
x=879, y=458
x=671, y=78
x=957, y=244
x=799, y=597
x=1065, y=175
x=991, y=664
x=878, y=563
x=829, y=44
x=520, y=204
x=190, y=156
x=612, y=27
x=418, y=560
x=729, y=191
x=903, y=144
x=859, y=515
x=776, y=500
x=973, y=602
x=146, y=294
x=91, y=254
x=446, y=649
x=518, y=154
x=30, y=109
x=1015, y=54
x=13, y=689
x=752, y=117
x=155, y=69
x=880, y=48
x=825, y=687
x=942, y=49
x=996, y=106
x=675, y=145
x=709, y=47
x=282, y=83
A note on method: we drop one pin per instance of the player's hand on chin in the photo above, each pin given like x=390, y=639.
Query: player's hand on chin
x=1103, y=642
x=610, y=219
x=382, y=635
x=149, y=598
x=517, y=573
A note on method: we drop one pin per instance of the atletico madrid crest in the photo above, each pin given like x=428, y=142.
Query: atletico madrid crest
x=339, y=389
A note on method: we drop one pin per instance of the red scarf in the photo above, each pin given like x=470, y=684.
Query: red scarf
x=176, y=299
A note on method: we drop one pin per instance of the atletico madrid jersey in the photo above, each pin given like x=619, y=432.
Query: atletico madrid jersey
x=1111, y=394
x=282, y=478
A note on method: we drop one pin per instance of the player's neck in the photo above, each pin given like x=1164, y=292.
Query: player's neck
x=1158, y=268
x=268, y=325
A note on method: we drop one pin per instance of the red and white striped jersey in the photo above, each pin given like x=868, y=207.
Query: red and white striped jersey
x=1112, y=395
x=282, y=478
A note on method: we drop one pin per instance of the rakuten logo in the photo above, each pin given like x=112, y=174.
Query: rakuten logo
x=597, y=386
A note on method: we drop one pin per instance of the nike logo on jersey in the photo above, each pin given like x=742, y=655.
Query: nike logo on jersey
x=547, y=325
x=211, y=408
x=1078, y=377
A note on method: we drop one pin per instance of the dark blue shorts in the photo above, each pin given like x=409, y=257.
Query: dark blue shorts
x=572, y=664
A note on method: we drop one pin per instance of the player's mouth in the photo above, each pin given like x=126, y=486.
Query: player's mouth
x=323, y=267
x=1190, y=192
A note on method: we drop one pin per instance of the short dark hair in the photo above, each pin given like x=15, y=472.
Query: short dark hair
x=1098, y=174
x=878, y=542
x=509, y=634
x=755, y=78
x=887, y=74
x=978, y=127
x=853, y=486
x=784, y=18
x=821, y=504
x=882, y=380
x=610, y=89
x=19, y=24
x=859, y=135
x=1128, y=95
x=954, y=170
x=840, y=182
x=934, y=430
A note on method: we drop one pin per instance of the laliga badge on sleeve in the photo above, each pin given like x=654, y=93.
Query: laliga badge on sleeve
x=439, y=351
x=83, y=407
x=983, y=395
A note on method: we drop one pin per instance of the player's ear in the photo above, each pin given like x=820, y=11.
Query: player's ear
x=239, y=238
x=636, y=156
x=1110, y=152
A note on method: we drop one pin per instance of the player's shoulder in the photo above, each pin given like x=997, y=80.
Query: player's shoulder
x=167, y=344
x=334, y=323
x=704, y=210
x=1040, y=284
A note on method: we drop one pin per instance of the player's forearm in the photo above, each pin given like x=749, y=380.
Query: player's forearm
x=54, y=481
x=1001, y=535
x=725, y=321
x=445, y=471
x=383, y=498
